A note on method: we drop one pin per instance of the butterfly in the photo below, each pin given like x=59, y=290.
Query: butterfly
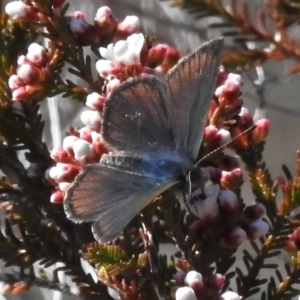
x=154, y=129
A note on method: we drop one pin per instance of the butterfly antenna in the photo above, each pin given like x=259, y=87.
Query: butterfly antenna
x=226, y=144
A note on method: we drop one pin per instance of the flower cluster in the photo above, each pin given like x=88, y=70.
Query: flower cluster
x=31, y=74
x=228, y=105
x=26, y=12
x=83, y=147
x=195, y=287
x=223, y=209
x=220, y=207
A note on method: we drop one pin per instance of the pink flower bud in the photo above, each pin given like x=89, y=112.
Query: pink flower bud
x=23, y=60
x=85, y=134
x=104, y=12
x=231, y=89
x=129, y=25
x=60, y=155
x=230, y=296
x=20, y=11
x=219, y=90
x=98, y=144
x=256, y=229
x=194, y=280
x=64, y=186
x=29, y=73
x=224, y=136
x=50, y=179
x=19, y=94
x=64, y=172
x=233, y=238
x=147, y=71
x=179, y=277
x=107, y=67
x=214, y=138
x=104, y=21
x=246, y=116
x=210, y=133
x=57, y=197
x=256, y=211
x=228, y=200
x=185, y=293
x=91, y=119
x=216, y=281
x=68, y=143
x=77, y=22
x=222, y=76
x=231, y=180
x=95, y=101
x=112, y=85
x=156, y=54
x=171, y=58
x=235, y=77
x=37, y=55
x=15, y=82
x=82, y=150
x=27, y=91
x=261, y=131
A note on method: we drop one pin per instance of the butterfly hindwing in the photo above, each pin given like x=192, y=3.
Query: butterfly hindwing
x=111, y=197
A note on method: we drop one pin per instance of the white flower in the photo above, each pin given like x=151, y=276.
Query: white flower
x=17, y=9
x=123, y=52
x=230, y=296
x=236, y=77
x=225, y=136
x=258, y=228
x=130, y=24
x=91, y=118
x=238, y=234
x=208, y=207
x=227, y=197
x=244, y=111
x=108, y=53
x=193, y=277
x=68, y=142
x=78, y=26
x=103, y=12
x=36, y=54
x=95, y=101
x=64, y=186
x=82, y=149
x=185, y=293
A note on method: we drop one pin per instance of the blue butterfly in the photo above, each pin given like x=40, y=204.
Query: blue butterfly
x=154, y=129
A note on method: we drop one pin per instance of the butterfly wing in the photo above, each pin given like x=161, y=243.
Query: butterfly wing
x=111, y=197
x=135, y=116
x=190, y=86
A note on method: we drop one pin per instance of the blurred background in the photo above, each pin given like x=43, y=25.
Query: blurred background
x=268, y=91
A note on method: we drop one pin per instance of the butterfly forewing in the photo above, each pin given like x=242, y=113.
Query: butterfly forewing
x=135, y=116
x=111, y=197
x=190, y=87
